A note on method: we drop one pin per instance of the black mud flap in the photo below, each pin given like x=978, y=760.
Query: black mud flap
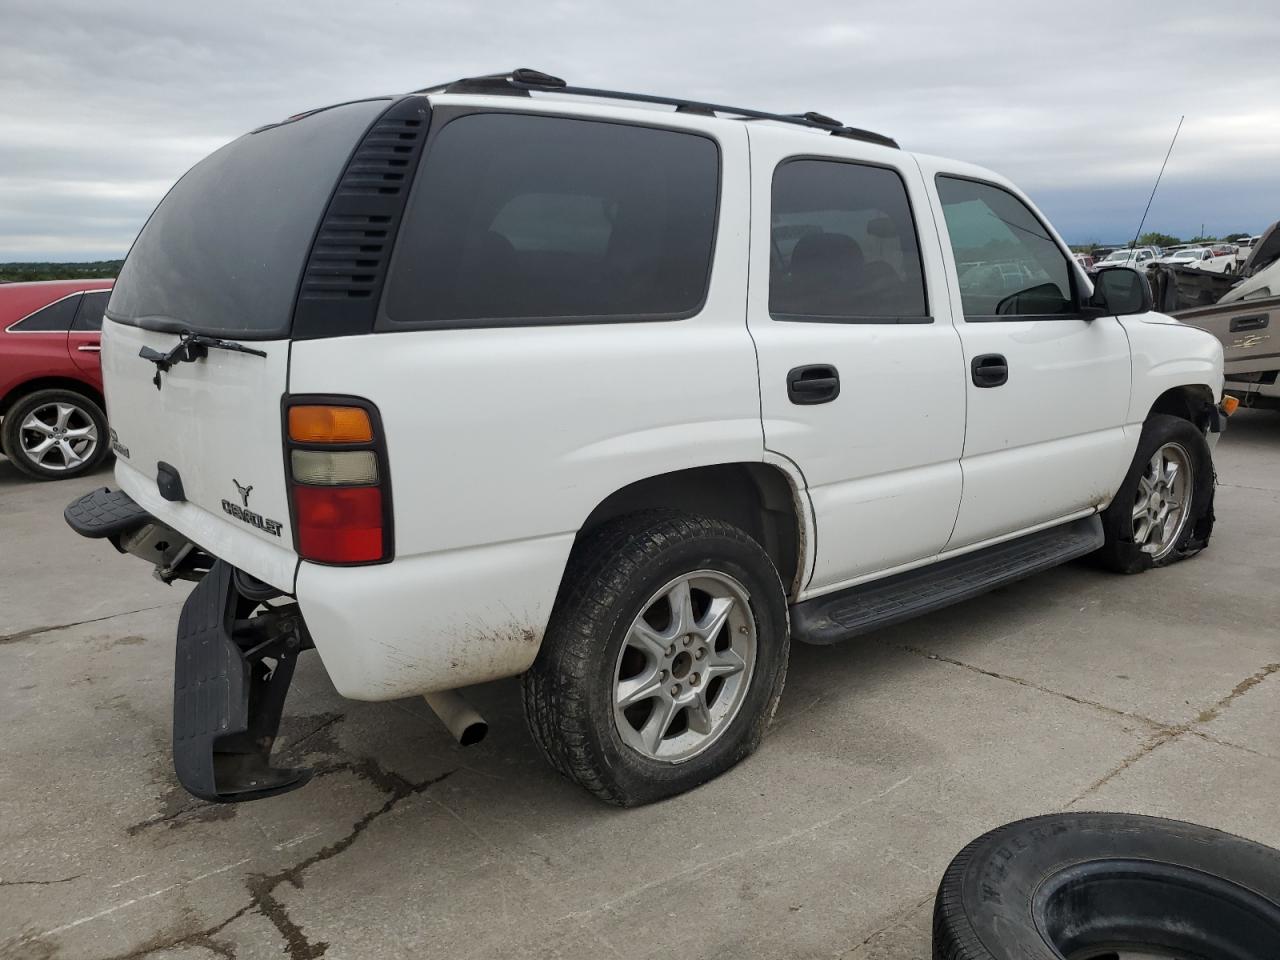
x=230, y=681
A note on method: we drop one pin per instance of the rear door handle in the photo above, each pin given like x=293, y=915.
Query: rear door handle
x=990, y=370
x=1258, y=321
x=89, y=348
x=813, y=383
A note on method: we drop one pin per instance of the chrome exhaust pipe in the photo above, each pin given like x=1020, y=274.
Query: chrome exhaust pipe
x=458, y=716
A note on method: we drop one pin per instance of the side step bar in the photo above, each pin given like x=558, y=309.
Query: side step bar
x=882, y=603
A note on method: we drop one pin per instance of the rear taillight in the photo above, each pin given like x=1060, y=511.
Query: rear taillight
x=338, y=481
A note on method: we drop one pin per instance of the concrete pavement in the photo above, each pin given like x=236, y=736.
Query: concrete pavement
x=1155, y=694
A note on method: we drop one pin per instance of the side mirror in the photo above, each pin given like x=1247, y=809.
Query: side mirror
x=1121, y=291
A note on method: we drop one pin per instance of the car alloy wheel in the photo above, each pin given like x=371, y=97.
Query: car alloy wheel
x=58, y=436
x=685, y=666
x=1160, y=507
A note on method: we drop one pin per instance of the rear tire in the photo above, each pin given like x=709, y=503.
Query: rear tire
x=55, y=434
x=635, y=701
x=1137, y=538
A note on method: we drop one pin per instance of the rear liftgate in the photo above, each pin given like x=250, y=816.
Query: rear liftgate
x=234, y=660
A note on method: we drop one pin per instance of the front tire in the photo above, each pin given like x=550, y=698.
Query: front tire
x=664, y=659
x=1163, y=512
x=55, y=434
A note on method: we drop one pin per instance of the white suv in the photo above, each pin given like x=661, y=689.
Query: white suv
x=507, y=377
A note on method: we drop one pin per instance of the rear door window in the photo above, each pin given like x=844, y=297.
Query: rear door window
x=844, y=245
x=57, y=316
x=89, y=316
x=532, y=219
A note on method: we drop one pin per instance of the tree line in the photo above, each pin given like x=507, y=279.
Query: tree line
x=86, y=270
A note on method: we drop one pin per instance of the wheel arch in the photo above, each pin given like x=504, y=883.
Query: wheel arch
x=762, y=499
x=51, y=383
x=1193, y=402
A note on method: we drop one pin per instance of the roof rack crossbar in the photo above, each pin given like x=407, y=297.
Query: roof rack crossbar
x=520, y=82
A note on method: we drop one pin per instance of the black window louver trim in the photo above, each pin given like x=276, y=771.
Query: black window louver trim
x=338, y=294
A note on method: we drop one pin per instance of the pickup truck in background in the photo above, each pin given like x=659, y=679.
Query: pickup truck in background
x=1241, y=310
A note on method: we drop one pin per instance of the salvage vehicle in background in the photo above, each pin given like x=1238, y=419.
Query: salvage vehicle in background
x=1242, y=311
x=52, y=424
x=471, y=383
x=1136, y=259
x=1187, y=256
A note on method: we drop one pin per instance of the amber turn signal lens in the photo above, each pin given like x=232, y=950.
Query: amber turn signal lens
x=1229, y=404
x=317, y=424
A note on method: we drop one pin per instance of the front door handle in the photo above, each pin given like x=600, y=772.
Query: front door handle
x=1257, y=322
x=89, y=348
x=990, y=370
x=813, y=383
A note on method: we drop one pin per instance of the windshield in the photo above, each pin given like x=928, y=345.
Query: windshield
x=1120, y=255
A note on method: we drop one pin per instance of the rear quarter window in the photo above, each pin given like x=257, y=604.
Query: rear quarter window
x=50, y=319
x=224, y=251
x=539, y=219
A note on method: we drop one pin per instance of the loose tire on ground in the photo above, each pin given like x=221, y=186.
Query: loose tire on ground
x=573, y=692
x=1121, y=553
x=1105, y=886
x=72, y=454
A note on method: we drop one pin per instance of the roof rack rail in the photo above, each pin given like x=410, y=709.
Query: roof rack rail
x=521, y=81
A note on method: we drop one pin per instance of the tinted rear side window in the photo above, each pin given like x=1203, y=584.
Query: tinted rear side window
x=89, y=317
x=843, y=244
x=223, y=252
x=56, y=316
x=544, y=219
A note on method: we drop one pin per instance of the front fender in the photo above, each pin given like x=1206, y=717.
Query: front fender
x=1167, y=354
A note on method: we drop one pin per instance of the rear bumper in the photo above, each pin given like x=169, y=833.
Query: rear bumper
x=416, y=625
x=436, y=621
x=219, y=536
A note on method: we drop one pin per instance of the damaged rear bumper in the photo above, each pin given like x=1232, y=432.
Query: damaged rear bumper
x=234, y=658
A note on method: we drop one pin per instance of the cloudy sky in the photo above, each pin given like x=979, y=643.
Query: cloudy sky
x=104, y=105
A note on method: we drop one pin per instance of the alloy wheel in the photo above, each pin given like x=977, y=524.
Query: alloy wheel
x=1160, y=507
x=685, y=666
x=58, y=436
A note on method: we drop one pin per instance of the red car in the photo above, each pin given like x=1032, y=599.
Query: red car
x=53, y=425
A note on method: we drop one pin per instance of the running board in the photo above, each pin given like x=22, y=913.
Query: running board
x=882, y=603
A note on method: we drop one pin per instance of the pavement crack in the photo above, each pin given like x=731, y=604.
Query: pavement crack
x=893, y=921
x=38, y=883
x=36, y=631
x=1239, y=690
x=1022, y=682
x=200, y=938
x=262, y=887
x=1166, y=735
x=324, y=725
x=1208, y=738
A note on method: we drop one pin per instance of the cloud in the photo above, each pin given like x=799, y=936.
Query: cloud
x=103, y=106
